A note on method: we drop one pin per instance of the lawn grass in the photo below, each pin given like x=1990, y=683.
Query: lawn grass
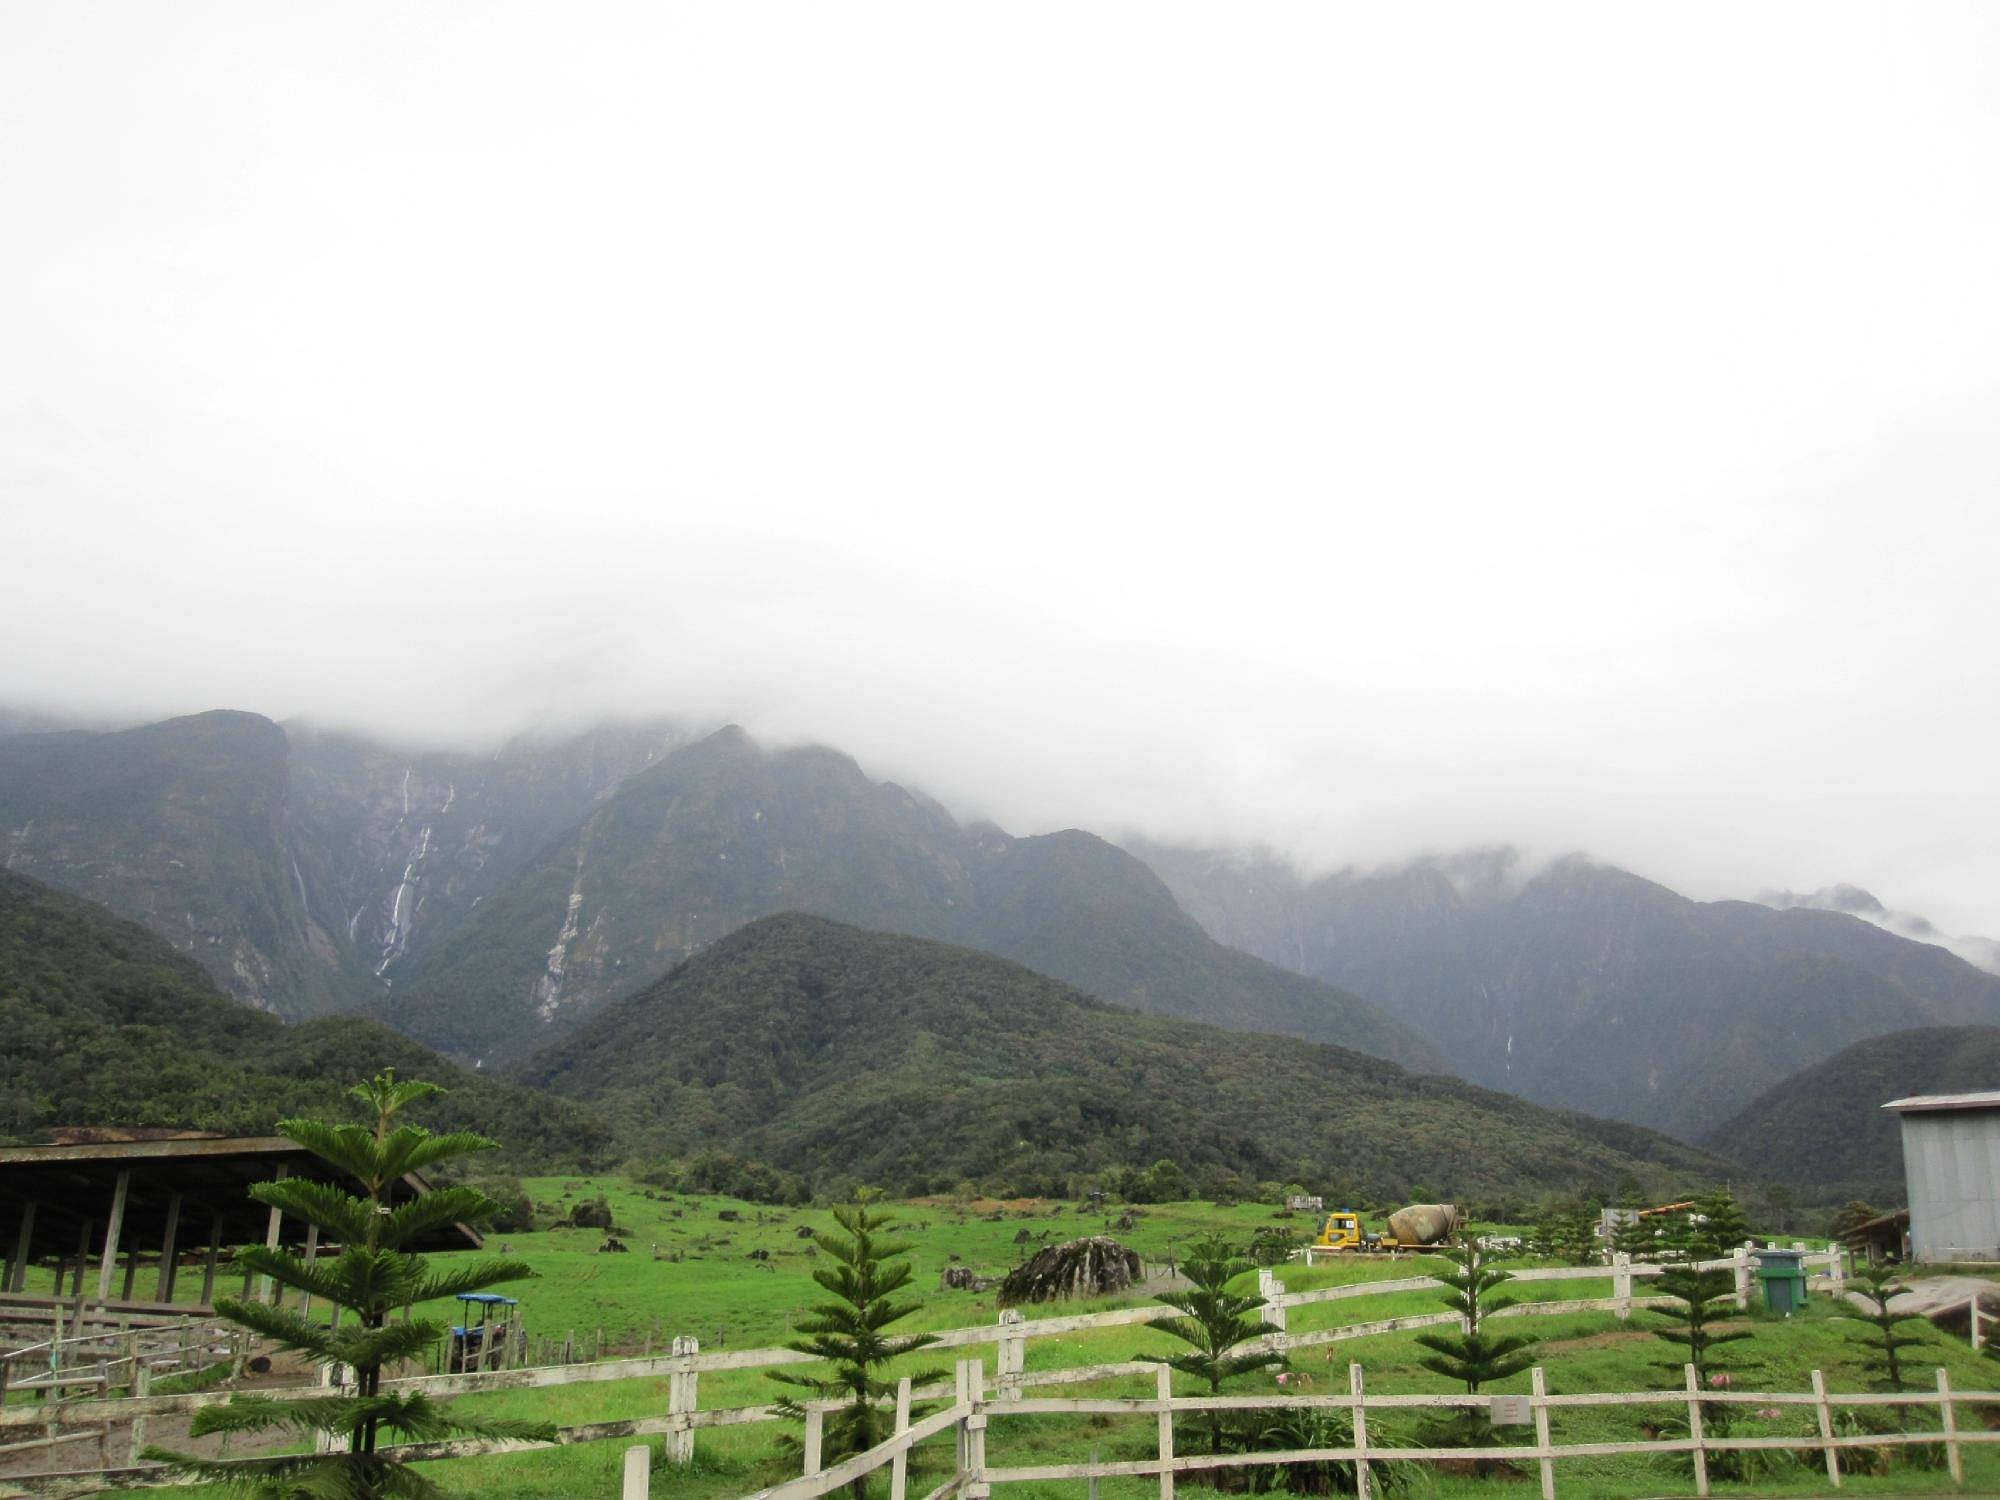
x=691, y=1271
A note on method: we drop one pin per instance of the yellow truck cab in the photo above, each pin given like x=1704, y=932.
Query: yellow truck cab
x=1341, y=1231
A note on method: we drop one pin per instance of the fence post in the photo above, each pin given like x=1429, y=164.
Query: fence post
x=1621, y=1282
x=1977, y=1342
x=961, y=1395
x=899, y=1466
x=1546, y=1456
x=142, y=1384
x=1826, y=1429
x=1012, y=1358
x=1271, y=1289
x=1165, y=1388
x=1954, y=1456
x=1740, y=1264
x=638, y=1472
x=1695, y=1432
x=1354, y=1385
x=815, y=1434
x=976, y=1487
x=683, y=1396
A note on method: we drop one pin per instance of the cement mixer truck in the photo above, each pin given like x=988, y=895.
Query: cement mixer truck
x=1411, y=1228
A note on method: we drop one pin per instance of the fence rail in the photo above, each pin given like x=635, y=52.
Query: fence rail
x=684, y=1364
x=974, y=1477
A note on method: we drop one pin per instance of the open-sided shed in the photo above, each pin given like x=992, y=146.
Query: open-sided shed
x=95, y=1209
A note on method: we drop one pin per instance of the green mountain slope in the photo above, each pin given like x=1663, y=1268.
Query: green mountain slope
x=1584, y=986
x=108, y=1025
x=180, y=826
x=845, y=1054
x=1823, y=1130
x=722, y=832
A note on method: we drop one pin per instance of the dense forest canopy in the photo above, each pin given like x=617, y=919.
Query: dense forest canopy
x=106, y=1025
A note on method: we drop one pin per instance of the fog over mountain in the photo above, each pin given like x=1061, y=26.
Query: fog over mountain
x=1361, y=434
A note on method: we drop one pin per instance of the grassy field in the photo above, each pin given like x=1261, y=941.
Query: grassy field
x=733, y=1275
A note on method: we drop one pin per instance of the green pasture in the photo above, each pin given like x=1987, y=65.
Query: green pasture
x=693, y=1267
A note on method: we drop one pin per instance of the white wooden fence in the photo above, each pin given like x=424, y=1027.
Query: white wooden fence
x=972, y=1412
x=684, y=1364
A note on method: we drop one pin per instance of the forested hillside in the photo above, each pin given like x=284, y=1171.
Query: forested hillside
x=107, y=1025
x=846, y=1055
x=1823, y=1130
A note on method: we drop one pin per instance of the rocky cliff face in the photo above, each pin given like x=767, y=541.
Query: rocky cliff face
x=299, y=868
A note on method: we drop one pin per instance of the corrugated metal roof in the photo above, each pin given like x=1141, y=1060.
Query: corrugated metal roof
x=1987, y=1100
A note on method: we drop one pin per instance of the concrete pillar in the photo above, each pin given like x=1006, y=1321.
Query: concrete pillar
x=113, y=1228
x=1621, y=1283
x=164, y=1291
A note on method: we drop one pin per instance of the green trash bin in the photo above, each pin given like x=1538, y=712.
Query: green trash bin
x=1783, y=1274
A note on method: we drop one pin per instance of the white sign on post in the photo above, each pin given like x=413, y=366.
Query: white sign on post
x=1512, y=1411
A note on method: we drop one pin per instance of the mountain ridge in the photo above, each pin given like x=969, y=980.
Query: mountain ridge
x=723, y=831
x=913, y=1064
x=1581, y=985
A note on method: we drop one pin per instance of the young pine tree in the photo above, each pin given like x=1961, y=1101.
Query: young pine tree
x=1472, y=1354
x=1216, y=1323
x=373, y=1277
x=1877, y=1284
x=1702, y=1300
x=1722, y=1228
x=868, y=1269
x=1635, y=1239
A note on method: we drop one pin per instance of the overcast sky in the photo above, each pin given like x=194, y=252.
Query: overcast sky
x=1362, y=429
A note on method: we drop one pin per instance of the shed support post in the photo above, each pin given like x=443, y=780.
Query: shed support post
x=113, y=1228
x=164, y=1292
x=312, y=1258
x=24, y=1246
x=268, y=1290
x=82, y=1261
x=208, y=1266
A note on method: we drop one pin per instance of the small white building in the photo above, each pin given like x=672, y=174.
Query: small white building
x=1951, y=1164
x=1305, y=1203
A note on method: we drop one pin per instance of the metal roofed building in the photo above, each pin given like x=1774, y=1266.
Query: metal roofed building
x=1951, y=1165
